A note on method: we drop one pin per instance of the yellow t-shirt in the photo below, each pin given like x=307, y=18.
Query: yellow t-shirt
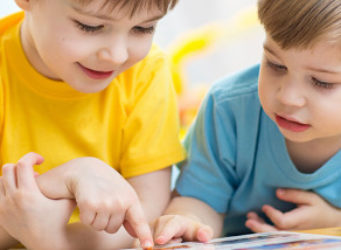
x=132, y=125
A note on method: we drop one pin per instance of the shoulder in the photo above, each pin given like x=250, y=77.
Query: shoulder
x=236, y=93
x=6, y=26
x=10, y=21
x=237, y=85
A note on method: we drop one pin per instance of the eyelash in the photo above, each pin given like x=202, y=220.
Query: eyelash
x=143, y=30
x=316, y=83
x=87, y=28
x=276, y=67
x=321, y=84
x=92, y=29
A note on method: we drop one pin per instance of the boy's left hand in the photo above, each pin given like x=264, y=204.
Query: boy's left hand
x=25, y=213
x=307, y=215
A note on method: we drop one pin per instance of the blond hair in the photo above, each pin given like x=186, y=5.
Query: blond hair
x=134, y=6
x=301, y=23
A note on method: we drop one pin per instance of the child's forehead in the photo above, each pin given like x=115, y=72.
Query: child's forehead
x=130, y=7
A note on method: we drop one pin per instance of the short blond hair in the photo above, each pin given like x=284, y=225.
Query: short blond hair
x=301, y=23
x=134, y=6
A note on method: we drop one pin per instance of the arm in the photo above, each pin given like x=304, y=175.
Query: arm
x=189, y=219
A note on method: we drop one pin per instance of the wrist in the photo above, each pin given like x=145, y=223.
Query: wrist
x=57, y=182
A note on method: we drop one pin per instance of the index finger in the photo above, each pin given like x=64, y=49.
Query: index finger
x=135, y=217
x=25, y=172
x=284, y=221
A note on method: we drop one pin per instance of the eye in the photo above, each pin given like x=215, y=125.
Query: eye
x=144, y=30
x=87, y=28
x=276, y=67
x=320, y=84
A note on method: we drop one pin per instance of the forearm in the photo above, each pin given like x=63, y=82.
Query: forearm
x=80, y=236
x=154, y=192
x=54, y=183
x=197, y=210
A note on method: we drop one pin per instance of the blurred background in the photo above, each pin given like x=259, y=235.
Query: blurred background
x=206, y=40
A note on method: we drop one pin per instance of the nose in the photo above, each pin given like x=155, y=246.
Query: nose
x=291, y=94
x=115, y=52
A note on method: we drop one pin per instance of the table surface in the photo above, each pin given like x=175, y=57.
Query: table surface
x=333, y=231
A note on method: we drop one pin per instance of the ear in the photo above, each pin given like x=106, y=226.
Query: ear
x=24, y=4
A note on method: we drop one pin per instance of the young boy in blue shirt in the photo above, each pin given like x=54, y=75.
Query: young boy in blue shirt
x=82, y=86
x=264, y=151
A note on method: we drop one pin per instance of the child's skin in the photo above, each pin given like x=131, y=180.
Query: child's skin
x=107, y=203
x=304, y=80
x=53, y=36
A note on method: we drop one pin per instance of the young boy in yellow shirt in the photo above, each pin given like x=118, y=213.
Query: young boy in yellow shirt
x=264, y=153
x=82, y=86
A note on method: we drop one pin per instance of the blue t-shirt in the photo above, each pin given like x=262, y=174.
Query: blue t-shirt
x=237, y=157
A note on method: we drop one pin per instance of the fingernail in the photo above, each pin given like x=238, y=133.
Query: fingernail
x=203, y=236
x=147, y=244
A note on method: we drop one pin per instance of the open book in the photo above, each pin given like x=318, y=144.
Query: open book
x=272, y=240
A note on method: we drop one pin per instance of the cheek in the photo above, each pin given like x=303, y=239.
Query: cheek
x=326, y=112
x=262, y=86
x=139, y=49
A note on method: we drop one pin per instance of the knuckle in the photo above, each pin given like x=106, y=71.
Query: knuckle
x=281, y=223
x=21, y=164
x=98, y=226
x=7, y=167
x=88, y=205
x=112, y=228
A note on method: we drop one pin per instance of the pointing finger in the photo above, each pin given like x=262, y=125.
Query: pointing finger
x=135, y=217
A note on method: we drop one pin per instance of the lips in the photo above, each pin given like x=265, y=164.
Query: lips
x=291, y=125
x=94, y=74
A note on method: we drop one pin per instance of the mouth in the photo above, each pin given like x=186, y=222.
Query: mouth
x=95, y=74
x=291, y=124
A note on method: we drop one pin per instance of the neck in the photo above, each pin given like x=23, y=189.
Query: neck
x=30, y=50
x=310, y=156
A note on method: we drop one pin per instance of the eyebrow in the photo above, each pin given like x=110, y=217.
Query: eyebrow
x=267, y=48
x=320, y=70
x=323, y=70
x=105, y=17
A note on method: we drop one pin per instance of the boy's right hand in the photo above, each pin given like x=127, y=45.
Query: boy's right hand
x=178, y=228
x=106, y=200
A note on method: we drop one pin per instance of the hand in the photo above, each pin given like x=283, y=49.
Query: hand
x=25, y=213
x=307, y=215
x=106, y=200
x=178, y=228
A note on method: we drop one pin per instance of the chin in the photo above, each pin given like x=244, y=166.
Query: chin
x=90, y=87
x=296, y=138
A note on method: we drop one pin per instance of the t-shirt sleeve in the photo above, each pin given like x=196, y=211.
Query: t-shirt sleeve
x=209, y=172
x=151, y=132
